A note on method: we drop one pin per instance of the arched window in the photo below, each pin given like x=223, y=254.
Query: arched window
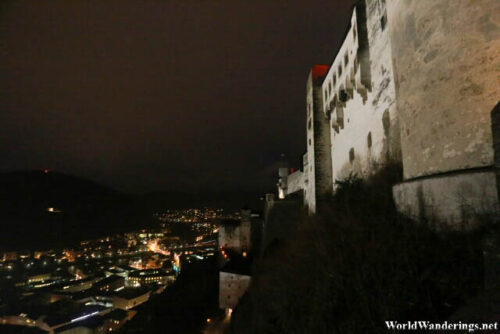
x=386, y=121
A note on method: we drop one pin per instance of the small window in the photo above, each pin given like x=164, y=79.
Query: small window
x=386, y=120
x=346, y=59
x=343, y=96
x=329, y=87
x=351, y=155
x=340, y=70
x=383, y=21
x=334, y=79
x=369, y=139
x=326, y=96
x=309, y=142
x=354, y=32
x=309, y=124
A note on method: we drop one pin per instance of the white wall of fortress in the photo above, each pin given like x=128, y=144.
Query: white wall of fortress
x=359, y=139
x=447, y=59
x=309, y=179
x=232, y=287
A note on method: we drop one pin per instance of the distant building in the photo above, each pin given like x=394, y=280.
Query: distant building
x=110, y=283
x=235, y=235
x=234, y=281
x=38, y=278
x=9, y=256
x=129, y=298
x=104, y=323
x=150, y=276
x=240, y=242
x=54, y=317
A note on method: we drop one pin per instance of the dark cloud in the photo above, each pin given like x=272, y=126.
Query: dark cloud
x=146, y=95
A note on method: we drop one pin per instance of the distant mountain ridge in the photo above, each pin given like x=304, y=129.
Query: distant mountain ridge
x=47, y=187
x=50, y=209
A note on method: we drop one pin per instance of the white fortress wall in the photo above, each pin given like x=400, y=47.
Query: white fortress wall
x=383, y=83
x=359, y=96
x=309, y=189
x=446, y=56
x=232, y=286
x=295, y=182
x=446, y=59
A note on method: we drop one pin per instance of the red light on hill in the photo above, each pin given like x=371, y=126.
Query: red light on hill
x=46, y=171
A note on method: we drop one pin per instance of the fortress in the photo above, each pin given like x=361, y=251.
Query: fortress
x=414, y=83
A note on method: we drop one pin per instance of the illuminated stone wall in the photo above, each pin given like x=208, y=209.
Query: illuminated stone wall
x=447, y=62
x=359, y=96
x=235, y=236
x=447, y=59
x=232, y=286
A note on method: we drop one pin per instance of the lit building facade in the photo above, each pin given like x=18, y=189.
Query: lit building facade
x=150, y=276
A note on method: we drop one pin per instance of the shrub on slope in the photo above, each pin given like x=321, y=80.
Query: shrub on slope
x=358, y=264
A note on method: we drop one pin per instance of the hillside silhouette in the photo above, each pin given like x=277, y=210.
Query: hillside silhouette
x=42, y=209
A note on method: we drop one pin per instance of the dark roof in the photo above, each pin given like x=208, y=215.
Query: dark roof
x=116, y=314
x=56, y=286
x=230, y=222
x=130, y=293
x=56, y=319
x=109, y=280
x=92, y=323
x=12, y=329
x=238, y=265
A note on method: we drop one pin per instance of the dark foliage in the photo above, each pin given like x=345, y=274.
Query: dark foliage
x=357, y=264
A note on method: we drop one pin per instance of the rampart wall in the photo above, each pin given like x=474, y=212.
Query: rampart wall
x=446, y=57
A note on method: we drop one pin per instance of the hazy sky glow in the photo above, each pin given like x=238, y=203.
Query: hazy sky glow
x=161, y=95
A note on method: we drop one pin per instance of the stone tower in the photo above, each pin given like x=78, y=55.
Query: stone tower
x=317, y=161
x=446, y=57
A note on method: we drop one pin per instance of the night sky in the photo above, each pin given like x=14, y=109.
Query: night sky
x=161, y=95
